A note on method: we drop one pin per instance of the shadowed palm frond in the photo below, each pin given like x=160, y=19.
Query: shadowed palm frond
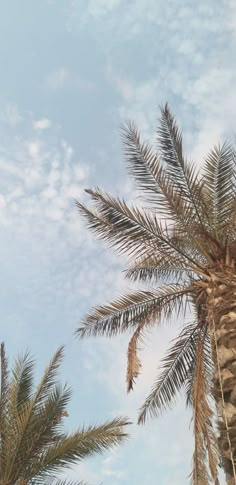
x=128, y=311
x=219, y=190
x=184, y=176
x=153, y=180
x=206, y=456
x=131, y=230
x=176, y=365
x=159, y=269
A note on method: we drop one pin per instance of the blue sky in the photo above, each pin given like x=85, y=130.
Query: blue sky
x=72, y=72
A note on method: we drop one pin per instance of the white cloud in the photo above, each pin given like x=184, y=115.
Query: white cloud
x=39, y=181
x=42, y=124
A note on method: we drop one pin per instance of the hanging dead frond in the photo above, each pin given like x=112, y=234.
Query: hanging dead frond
x=133, y=361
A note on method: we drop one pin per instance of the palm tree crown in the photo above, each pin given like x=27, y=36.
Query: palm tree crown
x=34, y=449
x=179, y=244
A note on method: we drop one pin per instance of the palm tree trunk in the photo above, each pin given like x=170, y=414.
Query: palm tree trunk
x=221, y=309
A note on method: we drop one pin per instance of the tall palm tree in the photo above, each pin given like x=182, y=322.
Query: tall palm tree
x=183, y=245
x=34, y=449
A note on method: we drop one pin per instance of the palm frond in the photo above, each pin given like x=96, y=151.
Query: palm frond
x=153, y=179
x=208, y=369
x=175, y=365
x=39, y=429
x=49, y=377
x=205, y=451
x=27, y=424
x=130, y=230
x=129, y=310
x=33, y=444
x=154, y=269
x=183, y=174
x=85, y=442
x=219, y=191
x=22, y=378
x=4, y=384
x=133, y=361
x=4, y=390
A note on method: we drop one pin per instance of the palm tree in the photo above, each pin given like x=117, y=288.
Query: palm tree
x=34, y=449
x=183, y=246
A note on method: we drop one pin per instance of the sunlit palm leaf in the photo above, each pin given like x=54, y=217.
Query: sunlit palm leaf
x=86, y=442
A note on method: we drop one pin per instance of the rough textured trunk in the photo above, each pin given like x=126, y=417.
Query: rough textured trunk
x=221, y=308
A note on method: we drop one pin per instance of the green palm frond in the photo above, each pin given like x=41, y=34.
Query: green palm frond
x=22, y=378
x=176, y=365
x=40, y=428
x=27, y=424
x=49, y=377
x=129, y=310
x=84, y=443
x=33, y=446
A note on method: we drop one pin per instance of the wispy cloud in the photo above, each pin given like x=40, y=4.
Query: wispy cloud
x=39, y=178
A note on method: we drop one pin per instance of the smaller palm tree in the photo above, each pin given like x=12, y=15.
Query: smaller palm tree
x=34, y=449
